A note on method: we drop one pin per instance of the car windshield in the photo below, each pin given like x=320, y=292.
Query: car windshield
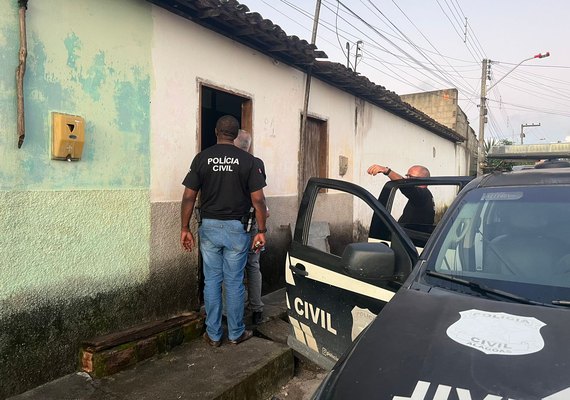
x=514, y=239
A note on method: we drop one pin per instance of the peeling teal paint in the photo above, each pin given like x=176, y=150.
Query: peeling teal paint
x=96, y=76
x=73, y=45
x=132, y=100
x=80, y=70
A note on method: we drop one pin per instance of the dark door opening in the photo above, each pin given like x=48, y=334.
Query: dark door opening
x=214, y=104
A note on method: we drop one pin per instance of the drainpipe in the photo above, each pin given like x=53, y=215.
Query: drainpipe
x=20, y=71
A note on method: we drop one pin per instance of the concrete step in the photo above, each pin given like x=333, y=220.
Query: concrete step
x=251, y=370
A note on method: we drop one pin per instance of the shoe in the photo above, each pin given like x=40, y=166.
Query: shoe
x=247, y=334
x=213, y=343
x=256, y=317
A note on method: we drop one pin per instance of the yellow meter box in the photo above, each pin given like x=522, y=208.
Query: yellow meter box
x=68, y=134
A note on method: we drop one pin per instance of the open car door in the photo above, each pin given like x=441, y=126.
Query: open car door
x=337, y=281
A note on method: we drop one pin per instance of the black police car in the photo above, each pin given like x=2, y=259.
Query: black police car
x=484, y=312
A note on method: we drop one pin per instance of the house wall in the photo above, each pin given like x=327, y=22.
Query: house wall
x=383, y=138
x=442, y=106
x=277, y=93
x=74, y=248
x=91, y=247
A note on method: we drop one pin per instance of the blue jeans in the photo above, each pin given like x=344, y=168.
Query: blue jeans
x=224, y=247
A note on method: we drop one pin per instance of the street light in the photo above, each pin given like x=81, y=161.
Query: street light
x=483, y=106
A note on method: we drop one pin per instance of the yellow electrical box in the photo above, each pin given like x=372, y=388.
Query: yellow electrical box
x=68, y=137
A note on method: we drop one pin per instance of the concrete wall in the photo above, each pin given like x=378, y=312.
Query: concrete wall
x=75, y=237
x=442, y=106
x=91, y=247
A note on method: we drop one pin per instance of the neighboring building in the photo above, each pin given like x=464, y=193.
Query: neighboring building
x=92, y=246
x=442, y=105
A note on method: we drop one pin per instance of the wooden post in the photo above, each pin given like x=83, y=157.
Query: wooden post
x=20, y=71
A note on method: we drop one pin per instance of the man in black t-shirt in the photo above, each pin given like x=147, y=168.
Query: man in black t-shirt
x=420, y=208
x=229, y=184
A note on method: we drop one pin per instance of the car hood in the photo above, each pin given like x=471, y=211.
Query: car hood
x=447, y=345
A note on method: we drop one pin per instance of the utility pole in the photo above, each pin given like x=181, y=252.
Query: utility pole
x=306, y=105
x=482, y=118
x=526, y=126
x=358, y=53
x=347, y=55
x=483, y=106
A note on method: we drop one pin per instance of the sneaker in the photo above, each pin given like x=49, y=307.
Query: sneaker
x=213, y=343
x=247, y=334
x=256, y=317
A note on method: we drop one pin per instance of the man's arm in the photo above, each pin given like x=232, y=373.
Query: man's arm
x=258, y=201
x=375, y=169
x=186, y=209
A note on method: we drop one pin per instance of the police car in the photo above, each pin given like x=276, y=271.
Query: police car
x=483, y=313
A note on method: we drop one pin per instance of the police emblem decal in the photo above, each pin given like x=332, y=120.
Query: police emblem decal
x=497, y=332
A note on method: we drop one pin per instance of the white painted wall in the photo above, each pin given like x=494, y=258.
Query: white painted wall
x=388, y=140
x=185, y=54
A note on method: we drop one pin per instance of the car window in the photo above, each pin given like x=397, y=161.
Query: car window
x=338, y=219
x=513, y=238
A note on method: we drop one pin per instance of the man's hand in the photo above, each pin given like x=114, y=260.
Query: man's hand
x=186, y=239
x=375, y=169
x=258, y=242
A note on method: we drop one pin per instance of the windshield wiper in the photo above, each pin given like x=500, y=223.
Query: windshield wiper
x=485, y=289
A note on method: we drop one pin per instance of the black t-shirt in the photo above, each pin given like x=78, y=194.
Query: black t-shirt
x=225, y=175
x=420, y=208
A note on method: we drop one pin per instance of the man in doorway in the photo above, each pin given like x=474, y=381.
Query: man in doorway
x=252, y=268
x=229, y=183
x=420, y=208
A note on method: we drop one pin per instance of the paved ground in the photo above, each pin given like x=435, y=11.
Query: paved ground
x=306, y=380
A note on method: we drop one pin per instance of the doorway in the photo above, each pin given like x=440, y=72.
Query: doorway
x=215, y=103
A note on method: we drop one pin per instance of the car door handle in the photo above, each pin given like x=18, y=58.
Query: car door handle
x=298, y=269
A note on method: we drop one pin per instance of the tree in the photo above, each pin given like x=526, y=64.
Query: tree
x=496, y=165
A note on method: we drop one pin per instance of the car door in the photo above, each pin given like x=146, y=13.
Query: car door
x=337, y=281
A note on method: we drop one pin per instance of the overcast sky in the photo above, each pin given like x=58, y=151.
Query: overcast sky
x=410, y=46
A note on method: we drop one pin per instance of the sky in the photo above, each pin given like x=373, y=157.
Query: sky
x=411, y=46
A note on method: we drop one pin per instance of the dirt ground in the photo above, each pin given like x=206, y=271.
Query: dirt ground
x=306, y=380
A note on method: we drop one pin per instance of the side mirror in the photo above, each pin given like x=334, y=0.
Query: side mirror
x=369, y=261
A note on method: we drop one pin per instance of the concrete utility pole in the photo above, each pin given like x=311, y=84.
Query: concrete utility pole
x=526, y=126
x=482, y=118
x=483, y=107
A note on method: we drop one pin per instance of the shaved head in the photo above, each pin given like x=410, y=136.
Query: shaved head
x=418, y=171
x=243, y=140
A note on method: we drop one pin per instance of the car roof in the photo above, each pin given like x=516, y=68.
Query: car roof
x=525, y=177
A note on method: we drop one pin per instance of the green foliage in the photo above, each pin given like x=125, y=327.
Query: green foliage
x=497, y=165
